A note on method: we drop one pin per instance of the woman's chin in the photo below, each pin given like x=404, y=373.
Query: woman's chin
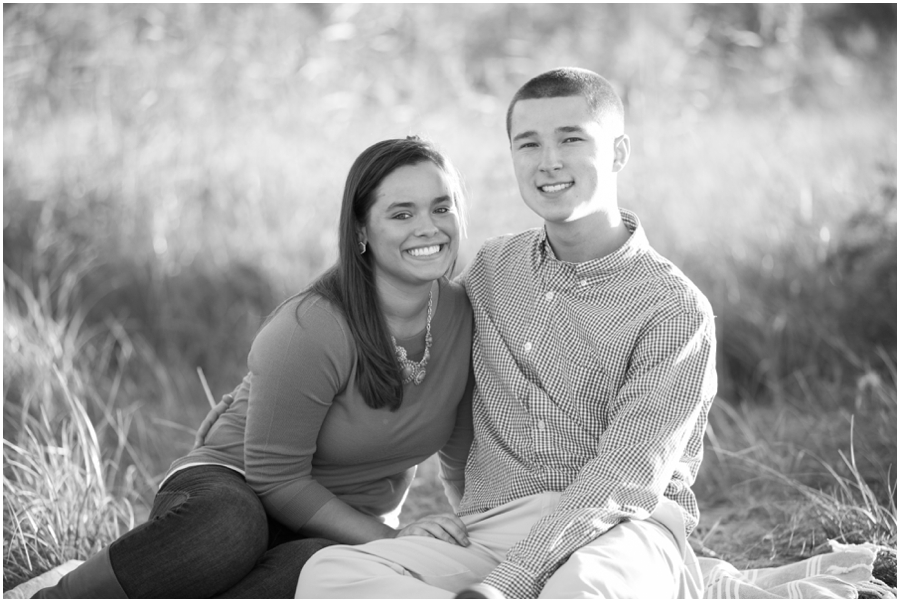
x=433, y=272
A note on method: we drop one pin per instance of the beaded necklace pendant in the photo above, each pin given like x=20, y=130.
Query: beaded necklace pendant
x=414, y=372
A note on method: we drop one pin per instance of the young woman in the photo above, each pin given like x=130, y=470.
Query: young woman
x=352, y=383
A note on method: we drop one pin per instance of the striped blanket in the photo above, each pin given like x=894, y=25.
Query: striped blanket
x=845, y=572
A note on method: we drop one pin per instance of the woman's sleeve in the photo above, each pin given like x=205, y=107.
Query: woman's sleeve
x=298, y=362
x=455, y=453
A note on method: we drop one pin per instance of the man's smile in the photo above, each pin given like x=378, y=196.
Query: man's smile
x=556, y=187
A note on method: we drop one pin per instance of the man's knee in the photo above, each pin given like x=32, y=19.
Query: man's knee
x=329, y=569
x=632, y=560
x=321, y=569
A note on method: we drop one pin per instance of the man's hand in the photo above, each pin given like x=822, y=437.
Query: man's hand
x=480, y=590
x=447, y=527
x=211, y=418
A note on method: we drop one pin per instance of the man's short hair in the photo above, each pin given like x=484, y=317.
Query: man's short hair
x=603, y=101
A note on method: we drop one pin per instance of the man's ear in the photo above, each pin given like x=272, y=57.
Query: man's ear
x=622, y=151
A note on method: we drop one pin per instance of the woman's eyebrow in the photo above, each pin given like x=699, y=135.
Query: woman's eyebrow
x=399, y=205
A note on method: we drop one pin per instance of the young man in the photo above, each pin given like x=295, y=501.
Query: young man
x=594, y=362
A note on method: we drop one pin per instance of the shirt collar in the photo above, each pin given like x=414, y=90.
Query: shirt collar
x=622, y=257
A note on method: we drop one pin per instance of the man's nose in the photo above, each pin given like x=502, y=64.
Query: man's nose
x=550, y=159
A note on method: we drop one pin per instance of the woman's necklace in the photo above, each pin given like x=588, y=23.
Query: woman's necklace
x=414, y=372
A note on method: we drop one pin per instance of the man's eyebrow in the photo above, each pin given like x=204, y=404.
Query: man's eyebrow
x=565, y=129
x=527, y=134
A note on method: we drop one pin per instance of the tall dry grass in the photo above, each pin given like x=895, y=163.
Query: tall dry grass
x=71, y=473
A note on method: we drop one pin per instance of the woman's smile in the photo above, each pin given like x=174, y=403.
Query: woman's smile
x=425, y=251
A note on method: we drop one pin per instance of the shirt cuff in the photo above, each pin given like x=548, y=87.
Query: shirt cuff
x=515, y=582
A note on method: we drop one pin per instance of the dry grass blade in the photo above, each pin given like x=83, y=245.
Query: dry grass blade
x=848, y=511
x=57, y=506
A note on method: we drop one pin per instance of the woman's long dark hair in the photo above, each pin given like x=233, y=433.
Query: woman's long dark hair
x=350, y=282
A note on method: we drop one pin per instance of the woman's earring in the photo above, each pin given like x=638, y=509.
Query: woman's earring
x=362, y=248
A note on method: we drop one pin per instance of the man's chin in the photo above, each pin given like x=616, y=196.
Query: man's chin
x=569, y=215
x=559, y=215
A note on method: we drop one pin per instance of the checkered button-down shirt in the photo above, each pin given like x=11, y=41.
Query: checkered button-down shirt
x=593, y=379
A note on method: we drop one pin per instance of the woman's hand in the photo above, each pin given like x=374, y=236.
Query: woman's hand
x=447, y=527
x=216, y=411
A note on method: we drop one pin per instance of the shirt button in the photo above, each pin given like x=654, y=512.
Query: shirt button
x=548, y=296
x=541, y=425
x=527, y=347
x=583, y=283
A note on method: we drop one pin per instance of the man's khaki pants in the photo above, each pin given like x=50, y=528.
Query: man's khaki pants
x=635, y=559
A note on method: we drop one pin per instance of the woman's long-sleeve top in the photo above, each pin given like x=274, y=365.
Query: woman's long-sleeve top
x=301, y=433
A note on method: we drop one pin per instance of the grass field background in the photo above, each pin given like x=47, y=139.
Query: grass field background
x=171, y=172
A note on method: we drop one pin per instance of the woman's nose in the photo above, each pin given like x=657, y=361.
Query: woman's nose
x=426, y=227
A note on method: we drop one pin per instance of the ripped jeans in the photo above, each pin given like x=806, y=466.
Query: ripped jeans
x=208, y=536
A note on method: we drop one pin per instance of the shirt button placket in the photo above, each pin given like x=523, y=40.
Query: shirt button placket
x=541, y=447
